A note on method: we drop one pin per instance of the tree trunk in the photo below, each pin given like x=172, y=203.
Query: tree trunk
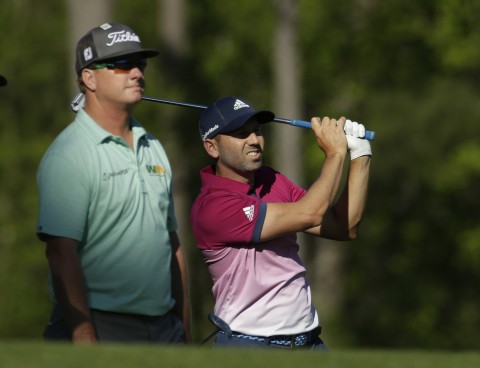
x=287, y=91
x=84, y=15
x=171, y=21
x=287, y=97
x=323, y=258
x=172, y=26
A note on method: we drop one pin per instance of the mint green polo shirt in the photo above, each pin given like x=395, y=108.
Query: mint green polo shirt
x=118, y=203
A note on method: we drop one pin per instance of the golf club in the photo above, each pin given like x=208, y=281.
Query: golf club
x=369, y=135
x=78, y=101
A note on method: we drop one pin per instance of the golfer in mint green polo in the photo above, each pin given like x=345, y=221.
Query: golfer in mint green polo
x=106, y=211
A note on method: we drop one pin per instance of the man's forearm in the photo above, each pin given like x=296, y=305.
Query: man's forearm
x=180, y=286
x=70, y=292
x=323, y=191
x=353, y=200
x=358, y=188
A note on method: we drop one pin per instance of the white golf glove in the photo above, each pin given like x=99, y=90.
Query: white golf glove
x=356, y=145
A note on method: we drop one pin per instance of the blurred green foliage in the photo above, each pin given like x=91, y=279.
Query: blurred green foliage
x=408, y=70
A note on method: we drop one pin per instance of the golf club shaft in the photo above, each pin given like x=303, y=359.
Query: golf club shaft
x=369, y=135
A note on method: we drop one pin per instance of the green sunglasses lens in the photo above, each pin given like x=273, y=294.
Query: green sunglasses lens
x=123, y=65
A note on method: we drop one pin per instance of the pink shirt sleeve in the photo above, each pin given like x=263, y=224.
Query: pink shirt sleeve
x=229, y=219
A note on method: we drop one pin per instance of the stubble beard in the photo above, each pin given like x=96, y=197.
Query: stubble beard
x=252, y=166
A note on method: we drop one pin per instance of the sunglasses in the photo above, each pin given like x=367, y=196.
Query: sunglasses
x=123, y=65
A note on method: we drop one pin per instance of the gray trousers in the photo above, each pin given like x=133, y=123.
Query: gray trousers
x=122, y=328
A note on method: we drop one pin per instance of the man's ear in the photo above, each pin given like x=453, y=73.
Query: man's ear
x=88, y=78
x=210, y=146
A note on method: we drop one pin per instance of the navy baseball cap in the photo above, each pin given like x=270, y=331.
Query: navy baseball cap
x=108, y=41
x=228, y=114
x=3, y=81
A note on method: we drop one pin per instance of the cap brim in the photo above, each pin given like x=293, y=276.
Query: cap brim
x=262, y=117
x=146, y=53
x=3, y=81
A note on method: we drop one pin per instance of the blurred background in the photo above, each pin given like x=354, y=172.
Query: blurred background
x=409, y=70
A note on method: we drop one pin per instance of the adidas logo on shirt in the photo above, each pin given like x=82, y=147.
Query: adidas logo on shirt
x=239, y=104
x=249, y=212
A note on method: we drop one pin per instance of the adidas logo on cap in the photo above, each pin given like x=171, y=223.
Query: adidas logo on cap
x=239, y=105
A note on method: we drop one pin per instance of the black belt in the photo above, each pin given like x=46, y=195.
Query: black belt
x=302, y=339
x=297, y=340
x=142, y=317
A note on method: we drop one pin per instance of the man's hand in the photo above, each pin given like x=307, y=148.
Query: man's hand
x=330, y=135
x=356, y=145
x=84, y=334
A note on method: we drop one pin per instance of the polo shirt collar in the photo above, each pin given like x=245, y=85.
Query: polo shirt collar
x=100, y=135
x=209, y=178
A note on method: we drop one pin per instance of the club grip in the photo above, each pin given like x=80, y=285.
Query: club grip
x=369, y=135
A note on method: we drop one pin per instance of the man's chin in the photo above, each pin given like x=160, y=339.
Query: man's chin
x=253, y=166
x=136, y=98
